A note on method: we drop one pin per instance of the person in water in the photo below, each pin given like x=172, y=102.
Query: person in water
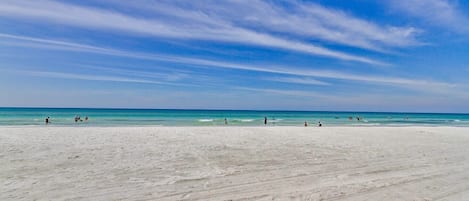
x=226, y=122
x=47, y=120
x=78, y=118
x=306, y=124
x=319, y=124
x=265, y=120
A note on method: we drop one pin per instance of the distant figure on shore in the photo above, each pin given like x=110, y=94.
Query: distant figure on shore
x=226, y=122
x=47, y=120
x=306, y=124
x=265, y=120
x=319, y=124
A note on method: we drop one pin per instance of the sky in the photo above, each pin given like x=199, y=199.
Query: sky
x=323, y=55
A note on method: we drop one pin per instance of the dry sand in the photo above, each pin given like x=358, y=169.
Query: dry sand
x=234, y=163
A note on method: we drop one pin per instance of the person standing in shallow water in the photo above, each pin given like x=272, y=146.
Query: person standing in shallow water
x=47, y=120
x=306, y=124
x=265, y=120
x=226, y=122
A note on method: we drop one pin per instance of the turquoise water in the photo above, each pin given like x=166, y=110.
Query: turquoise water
x=157, y=117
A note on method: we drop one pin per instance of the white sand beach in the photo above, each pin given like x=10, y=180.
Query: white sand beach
x=234, y=163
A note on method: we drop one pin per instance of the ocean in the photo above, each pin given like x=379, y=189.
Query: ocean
x=170, y=117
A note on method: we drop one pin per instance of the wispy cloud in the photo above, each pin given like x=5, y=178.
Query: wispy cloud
x=338, y=26
x=443, y=13
x=298, y=80
x=78, y=76
x=51, y=42
x=205, y=27
x=275, y=69
x=283, y=92
x=172, y=76
x=299, y=19
x=361, y=101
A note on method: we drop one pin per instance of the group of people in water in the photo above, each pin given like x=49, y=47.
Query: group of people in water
x=358, y=118
x=319, y=124
x=306, y=123
x=266, y=121
x=77, y=119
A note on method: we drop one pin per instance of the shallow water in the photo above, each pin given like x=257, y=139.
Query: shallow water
x=155, y=117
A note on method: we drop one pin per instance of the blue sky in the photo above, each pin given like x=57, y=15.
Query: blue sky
x=356, y=55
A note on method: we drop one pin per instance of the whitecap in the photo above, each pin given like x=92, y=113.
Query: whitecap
x=370, y=124
x=247, y=120
x=275, y=120
x=205, y=120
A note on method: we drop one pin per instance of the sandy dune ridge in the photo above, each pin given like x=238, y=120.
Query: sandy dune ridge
x=234, y=163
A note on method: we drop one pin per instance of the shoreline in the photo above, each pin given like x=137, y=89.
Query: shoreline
x=234, y=126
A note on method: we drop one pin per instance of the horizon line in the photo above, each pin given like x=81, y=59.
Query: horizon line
x=213, y=109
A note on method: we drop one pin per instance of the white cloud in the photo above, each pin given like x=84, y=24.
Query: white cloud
x=417, y=84
x=52, y=42
x=78, y=76
x=443, y=13
x=173, y=76
x=359, y=101
x=294, y=18
x=298, y=80
x=284, y=92
x=201, y=27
